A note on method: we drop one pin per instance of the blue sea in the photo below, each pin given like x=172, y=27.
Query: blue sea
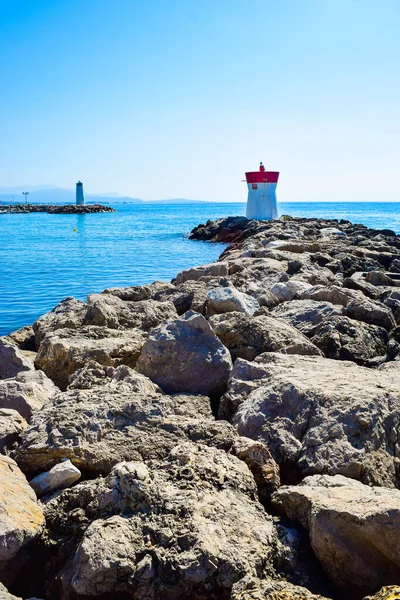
x=44, y=258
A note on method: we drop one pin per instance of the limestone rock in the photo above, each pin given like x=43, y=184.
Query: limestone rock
x=12, y=360
x=250, y=588
x=290, y=290
x=247, y=337
x=305, y=315
x=5, y=595
x=137, y=293
x=190, y=528
x=107, y=310
x=345, y=339
x=319, y=415
x=190, y=295
x=27, y=392
x=11, y=427
x=64, y=351
x=371, y=311
x=125, y=419
x=59, y=477
x=353, y=529
x=260, y=462
x=68, y=314
x=185, y=355
x=21, y=518
x=217, y=269
x=24, y=338
x=228, y=299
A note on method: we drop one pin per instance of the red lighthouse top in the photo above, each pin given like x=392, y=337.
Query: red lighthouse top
x=262, y=176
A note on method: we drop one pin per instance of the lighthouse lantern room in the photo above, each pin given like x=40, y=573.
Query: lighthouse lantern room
x=261, y=199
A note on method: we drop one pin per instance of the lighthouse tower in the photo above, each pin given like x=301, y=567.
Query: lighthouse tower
x=80, y=199
x=261, y=199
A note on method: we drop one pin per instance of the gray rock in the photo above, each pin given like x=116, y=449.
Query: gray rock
x=290, y=290
x=185, y=355
x=346, y=339
x=64, y=351
x=190, y=295
x=12, y=360
x=354, y=529
x=247, y=337
x=319, y=416
x=125, y=419
x=186, y=527
x=260, y=462
x=217, y=269
x=305, y=315
x=27, y=392
x=59, y=477
x=228, y=299
x=11, y=427
x=68, y=314
x=138, y=293
x=107, y=310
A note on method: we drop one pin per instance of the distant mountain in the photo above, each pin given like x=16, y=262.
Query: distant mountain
x=51, y=194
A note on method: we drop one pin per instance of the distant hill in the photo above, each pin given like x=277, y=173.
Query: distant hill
x=51, y=194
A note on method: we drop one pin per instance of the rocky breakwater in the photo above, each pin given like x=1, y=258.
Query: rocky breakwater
x=231, y=435
x=57, y=209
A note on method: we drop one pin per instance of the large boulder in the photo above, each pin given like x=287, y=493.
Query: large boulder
x=305, y=315
x=388, y=592
x=21, y=518
x=290, y=290
x=319, y=415
x=107, y=310
x=185, y=355
x=64, y=351
x=345, y=339
x=125, y=419
x=137, y=293
x=12, y=360
x=354, y=529
x=247, y=337
x=190, y=295
x=27, y=392
x=216, y=269
x=229, y=299
x=186, y=527
x=68, y=314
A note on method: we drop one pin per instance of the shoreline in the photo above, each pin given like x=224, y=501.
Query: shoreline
x=237, y=428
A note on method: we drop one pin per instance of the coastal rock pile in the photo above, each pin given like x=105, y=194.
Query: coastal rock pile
x=57, y=209
x=231, y=435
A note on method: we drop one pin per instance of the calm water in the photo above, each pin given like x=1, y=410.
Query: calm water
x=42, y=258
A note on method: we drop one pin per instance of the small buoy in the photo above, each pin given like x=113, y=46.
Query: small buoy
x=75, y=229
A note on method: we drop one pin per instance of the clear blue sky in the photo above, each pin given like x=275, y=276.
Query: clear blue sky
x=175, y=98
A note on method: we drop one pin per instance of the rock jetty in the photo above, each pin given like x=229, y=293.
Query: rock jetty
x=57, y=209
x=231, y=435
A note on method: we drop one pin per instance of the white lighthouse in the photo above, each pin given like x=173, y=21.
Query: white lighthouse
x=80, y=199
x=261, y=199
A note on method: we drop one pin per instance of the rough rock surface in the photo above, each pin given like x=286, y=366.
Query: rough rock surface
x=305, y=315
x=21, y=518
x=247, y=337
x=68, y=314
x=11, y=427
x=354, y=529
x=126, y=419
x=64, y=351
x=12, y=360
x=107, y=310
x=319, y=416
x=27, y=392
x=391, y=592
x=185, y=355
x=178, y=536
